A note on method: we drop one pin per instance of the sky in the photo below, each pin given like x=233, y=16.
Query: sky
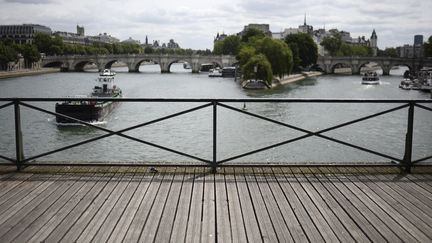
x=195, y=23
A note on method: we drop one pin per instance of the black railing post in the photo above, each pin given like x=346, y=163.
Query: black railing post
x=409, y=138
x=214, y=162
x=18, y=136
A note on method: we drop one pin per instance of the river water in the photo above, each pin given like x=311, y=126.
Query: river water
x=236, y=133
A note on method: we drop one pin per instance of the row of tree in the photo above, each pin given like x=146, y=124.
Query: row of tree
x=261, y=56
x=49, y=45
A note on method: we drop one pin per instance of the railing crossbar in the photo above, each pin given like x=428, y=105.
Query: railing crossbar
x=7, y=158
x=6, y=105
x=318, y=133
x=119, y=133
x=422, y=159
x=423, y=107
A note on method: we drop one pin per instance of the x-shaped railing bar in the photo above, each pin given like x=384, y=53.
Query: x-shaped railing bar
x=310, y=133
x=1, y=156
x=6, y=105
x=119, y=133
x=428, y=157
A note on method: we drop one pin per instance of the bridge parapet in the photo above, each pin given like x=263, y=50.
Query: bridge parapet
x=133, y=61
x=328, y=63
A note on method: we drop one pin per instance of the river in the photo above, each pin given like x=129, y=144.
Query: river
x=237, y=133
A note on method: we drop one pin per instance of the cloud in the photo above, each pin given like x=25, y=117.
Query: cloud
x=29, y=1
x=194, y=23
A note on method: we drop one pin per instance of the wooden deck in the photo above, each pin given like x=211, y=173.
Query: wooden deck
x=235, y=205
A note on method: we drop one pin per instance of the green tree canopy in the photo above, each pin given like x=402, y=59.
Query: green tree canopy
x=7, y=54
x=305, y=51
x=278, y=54
x=428, y=47
x=250, y=33
x=332, y=43
x=228, y=46
x=258, y=67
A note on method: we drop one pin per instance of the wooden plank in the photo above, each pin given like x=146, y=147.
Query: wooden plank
x=48, y=221
x=11, y=207
x=105, y=209
x=309, y=227
x=106, y=229
x=275, y=215
x=400, y=206
x=134, y=232
x=143, y=184
x=343, y=227
x=421, y=180
x=238, y=229
x=370, y=200
x=193, y=231
x=223, y=226
x=13, y=181
x=286, y=210
x=178, y=233
x=76, y=219
x=149, y=231
x=49, y=203
x=253, y=231
x=260, y=209
x=314, y=213
x=375, y=218
x=166, y=222
x=208, y=228
x=19, y=192
x=349, y=210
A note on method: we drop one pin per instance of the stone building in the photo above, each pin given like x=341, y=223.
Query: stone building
x=22, y=34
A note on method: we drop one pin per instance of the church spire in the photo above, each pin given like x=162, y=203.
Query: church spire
x=304, y=19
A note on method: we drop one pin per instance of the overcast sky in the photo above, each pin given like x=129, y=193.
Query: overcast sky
x=194, y=23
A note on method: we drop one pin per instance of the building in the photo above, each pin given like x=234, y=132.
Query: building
x=412, y=51
x=73, y=38
x=265, y=28
x=374, y=43
x=22, y=34
x=220, y=37
x=132, y=41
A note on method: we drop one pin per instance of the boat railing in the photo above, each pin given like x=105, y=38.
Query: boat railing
x=405, y=163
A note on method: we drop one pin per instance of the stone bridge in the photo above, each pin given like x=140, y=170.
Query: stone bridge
x=328, y=63
x=133, y=61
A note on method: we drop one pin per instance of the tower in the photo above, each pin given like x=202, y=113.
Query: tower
x=374, y=43
x=80, y=30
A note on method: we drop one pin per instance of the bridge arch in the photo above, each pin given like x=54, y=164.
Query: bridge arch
x=79, y=65
x=177, y=60
x=135, y=66
x=54, y=64
x=339, y=65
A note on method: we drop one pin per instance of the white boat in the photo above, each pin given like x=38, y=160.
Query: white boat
x=370, y=78
x=215, y=72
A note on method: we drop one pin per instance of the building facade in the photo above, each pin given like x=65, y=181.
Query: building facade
x=22, y=34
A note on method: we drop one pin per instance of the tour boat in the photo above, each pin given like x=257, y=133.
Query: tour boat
x=91, y=111
x=370, y=78
x=215, y=72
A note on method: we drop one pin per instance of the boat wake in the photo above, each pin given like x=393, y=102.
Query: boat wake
x=95, y=123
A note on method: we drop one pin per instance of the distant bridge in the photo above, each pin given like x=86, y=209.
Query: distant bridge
x=328, y=63
x=133, y=61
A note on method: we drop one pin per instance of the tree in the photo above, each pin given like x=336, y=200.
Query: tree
x=332, y=43
x=251, y=32
x=428, y=47
x=7, y=54
x=228, y=46
x=278, y=54
x=389, y=52
x=30, y=54
x=258, y=67
x=43, y=42
x=304, y=49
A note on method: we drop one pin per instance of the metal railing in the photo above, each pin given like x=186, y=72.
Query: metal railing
x=406, y=162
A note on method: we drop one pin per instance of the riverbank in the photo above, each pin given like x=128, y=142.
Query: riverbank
x=294, y=78
x=27, y=72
